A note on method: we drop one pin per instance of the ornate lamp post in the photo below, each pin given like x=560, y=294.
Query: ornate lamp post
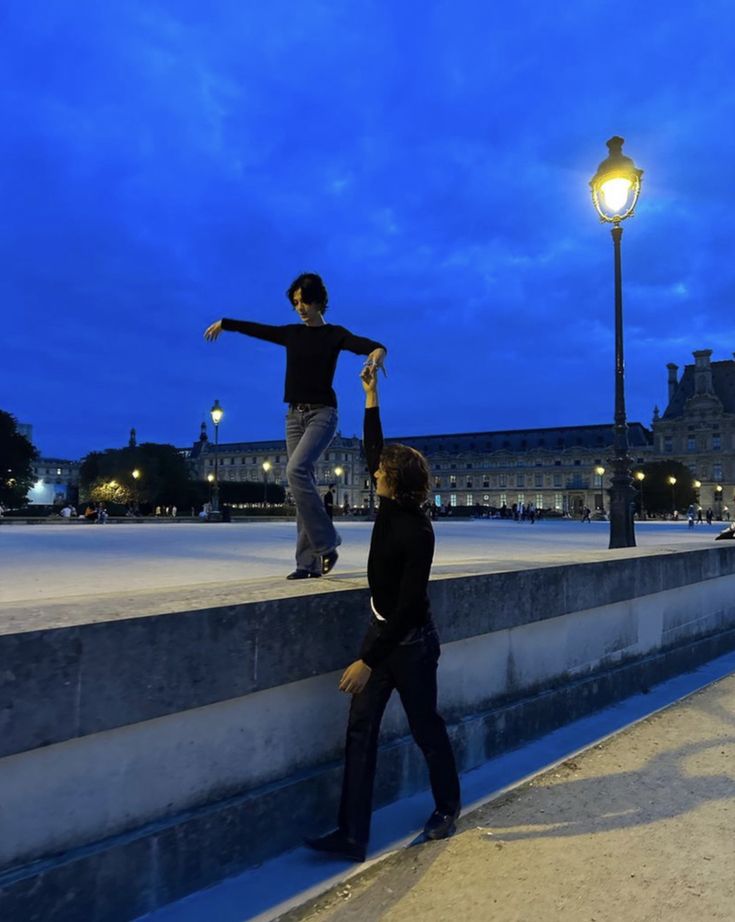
x=600, y=473
x=615, y=189
x=210, y=478
x=672, y=480
x=718, y=500
x=216, y=413
x=338, y=471
x=640, y=477
x=266, y=468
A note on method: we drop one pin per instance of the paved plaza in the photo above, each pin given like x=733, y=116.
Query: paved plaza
x=70, y=561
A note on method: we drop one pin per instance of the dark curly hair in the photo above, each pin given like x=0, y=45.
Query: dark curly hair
x=313, y=290
x=407, y=473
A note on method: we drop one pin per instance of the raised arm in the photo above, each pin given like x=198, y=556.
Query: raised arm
x=266, y=331
x=372, y=436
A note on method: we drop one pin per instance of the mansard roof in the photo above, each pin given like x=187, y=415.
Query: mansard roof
x=723, y=384
x=553, y=439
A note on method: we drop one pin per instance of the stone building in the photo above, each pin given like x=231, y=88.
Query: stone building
x=555, y=469
x=698, y=427
x=552, y=468
x=341, y=465
x=57, y=481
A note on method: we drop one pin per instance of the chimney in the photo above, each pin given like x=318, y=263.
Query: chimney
x=702, y=371
x=673, y=383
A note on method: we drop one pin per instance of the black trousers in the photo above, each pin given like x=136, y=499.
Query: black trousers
x=411, y=670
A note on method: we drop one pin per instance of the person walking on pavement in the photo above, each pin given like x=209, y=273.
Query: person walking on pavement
x=329, y=501
x=401, y=648
x=312, y=350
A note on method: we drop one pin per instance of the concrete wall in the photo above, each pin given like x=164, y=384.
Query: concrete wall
x=133, y=749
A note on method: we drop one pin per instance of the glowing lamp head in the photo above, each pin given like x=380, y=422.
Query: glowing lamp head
x=697, y=484
x=671, y=480
x=616, y=185
x=210, y=477
x=640, y=476
x=599, y=470
x=216, y=413
x=266, y=466
x=338, y=471
x=718, y=488
x=136, y=474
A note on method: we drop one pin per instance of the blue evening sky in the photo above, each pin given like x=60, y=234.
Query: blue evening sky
x=164, y=164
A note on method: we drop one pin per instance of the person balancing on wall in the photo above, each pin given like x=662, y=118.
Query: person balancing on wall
x=312, y=350
x=400, y=649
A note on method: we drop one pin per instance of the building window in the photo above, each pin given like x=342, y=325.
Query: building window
x=558, y=502
x=557, y=480
x=452, y=499
x=668, y=443
x=539, y=500
x=520, y=498
x=716, y=443
x=717, y=472
x=469, y=483
x=502, y=481
x=486, y=481
x=538, y=480
x=469, y=500
x=437, y=483
x=692, y=443
x=520, y=480
x=503, y=499
x=453, y=481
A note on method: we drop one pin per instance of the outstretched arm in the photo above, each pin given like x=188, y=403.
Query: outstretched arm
x=372, y=434
x=266, y=331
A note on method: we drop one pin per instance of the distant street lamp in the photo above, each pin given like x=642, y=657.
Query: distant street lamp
x=672, y=481
x=216, y=413
x=718, y=497
x=210, y=478
x=640, y=477
x=266, y=468
x=615, y=189
x=136, y=474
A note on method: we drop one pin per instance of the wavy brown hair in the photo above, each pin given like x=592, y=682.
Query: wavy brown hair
x=313, y=290
x=407, y=473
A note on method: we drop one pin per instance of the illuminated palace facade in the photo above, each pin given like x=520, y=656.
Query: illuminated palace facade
x=554, y=468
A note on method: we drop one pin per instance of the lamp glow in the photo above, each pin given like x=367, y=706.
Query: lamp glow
x=266, y=466
x=615, y=193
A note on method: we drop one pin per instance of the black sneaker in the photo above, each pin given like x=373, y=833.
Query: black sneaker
x=440, y=825
x=303, y=574
x=338, y=845
x=329, y=560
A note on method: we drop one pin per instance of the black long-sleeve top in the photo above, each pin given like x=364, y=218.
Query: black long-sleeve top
x=311, y=355
x=401, y=552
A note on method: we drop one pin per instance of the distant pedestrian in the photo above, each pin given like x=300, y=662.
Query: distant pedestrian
x=699, y=516
x=690, y=516
x=709, y=516
x=174, y=510
x=329, y=501
x=587, y=515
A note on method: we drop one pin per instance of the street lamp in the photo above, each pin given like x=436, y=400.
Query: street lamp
x=718, y=498
x=672, y=480
x=136, y=474
x=210, y=478
x=216, y=413
x=615, y=189
x=266, y=468
x=600, y=473
x=640, y=477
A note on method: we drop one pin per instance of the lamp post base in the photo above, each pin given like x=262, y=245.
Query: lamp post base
x=622, y=505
